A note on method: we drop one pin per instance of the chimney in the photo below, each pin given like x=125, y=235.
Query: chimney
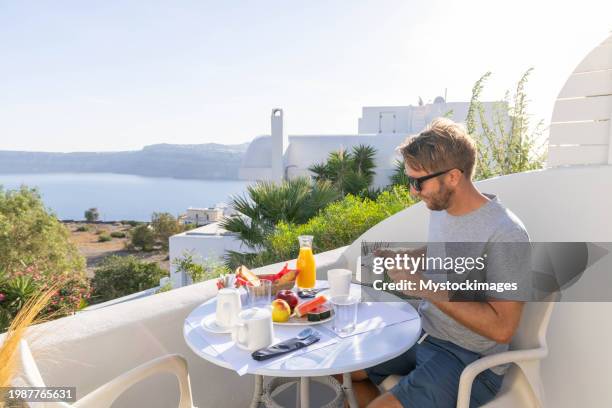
x=279, y=144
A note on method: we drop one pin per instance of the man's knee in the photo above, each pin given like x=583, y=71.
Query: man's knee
x=358, y=375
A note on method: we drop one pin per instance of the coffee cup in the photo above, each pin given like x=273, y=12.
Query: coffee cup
x=253, y=329
x=339, y=281
x=228, y=307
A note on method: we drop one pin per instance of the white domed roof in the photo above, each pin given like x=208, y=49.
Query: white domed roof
x=259, y=153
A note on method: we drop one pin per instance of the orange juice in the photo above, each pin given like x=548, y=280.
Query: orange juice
x=306, y=264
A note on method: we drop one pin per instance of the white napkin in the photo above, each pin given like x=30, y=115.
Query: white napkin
x=221, y=345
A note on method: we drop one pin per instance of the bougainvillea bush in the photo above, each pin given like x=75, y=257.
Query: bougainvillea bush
x=71, y=293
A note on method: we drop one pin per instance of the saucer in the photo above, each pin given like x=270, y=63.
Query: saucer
x=209, y=323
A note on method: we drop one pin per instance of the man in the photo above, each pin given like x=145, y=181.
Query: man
x=440, y=164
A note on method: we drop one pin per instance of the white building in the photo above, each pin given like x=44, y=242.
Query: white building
x=203, y=216
x=207, y=242
x=276, y=157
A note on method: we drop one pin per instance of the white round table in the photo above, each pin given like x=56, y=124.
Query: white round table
x=348, y=354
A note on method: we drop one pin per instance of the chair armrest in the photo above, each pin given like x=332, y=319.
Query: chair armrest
x=106, y=394
x=471, y=371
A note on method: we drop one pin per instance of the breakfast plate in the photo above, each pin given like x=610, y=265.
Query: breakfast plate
x=294, y=320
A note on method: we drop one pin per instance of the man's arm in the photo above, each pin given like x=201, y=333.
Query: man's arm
x=495, y=320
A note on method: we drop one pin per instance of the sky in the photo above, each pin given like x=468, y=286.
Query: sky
x=119, y=75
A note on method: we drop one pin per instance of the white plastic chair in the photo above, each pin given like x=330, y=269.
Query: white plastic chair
x=522, y=385
x=105, y=395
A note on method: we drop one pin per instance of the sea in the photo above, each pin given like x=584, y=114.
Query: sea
x=123, y=197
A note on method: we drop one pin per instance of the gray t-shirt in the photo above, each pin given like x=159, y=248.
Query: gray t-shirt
x=490, y=224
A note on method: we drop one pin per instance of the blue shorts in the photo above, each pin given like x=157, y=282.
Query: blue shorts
x=430, y=375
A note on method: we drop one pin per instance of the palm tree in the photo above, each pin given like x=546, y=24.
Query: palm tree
x=266, y=204
x=350, y=172
x=399, y=176
x=363, y=156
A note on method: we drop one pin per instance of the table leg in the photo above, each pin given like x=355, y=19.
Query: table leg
x=347, y=386
x=304, y=392
x=257, y=392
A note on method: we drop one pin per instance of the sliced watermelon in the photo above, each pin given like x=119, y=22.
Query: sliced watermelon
x=303, y=308
x=319, y=313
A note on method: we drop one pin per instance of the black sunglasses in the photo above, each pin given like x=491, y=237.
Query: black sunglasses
x=417, y=182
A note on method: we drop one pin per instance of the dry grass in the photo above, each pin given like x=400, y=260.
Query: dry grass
x=26, y=316
x=95, y=252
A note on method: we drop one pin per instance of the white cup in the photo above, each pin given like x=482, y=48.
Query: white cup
x=253, y=329
x=339, y=282
x=228, y=307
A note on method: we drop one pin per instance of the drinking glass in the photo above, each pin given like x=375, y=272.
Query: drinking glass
x=345, y=313
x=339, y=281
x=261, y=295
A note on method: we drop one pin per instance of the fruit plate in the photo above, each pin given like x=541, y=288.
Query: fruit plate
x=303, y=321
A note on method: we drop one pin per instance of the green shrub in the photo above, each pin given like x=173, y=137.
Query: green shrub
x=32, y=236
x=82, y=228
x=120, y=276
x=340, y=223
x=165, y=288
x=104, y=238
x=92, y=215
x=164, y=225
x=142, y=237
x=507, y=141
x=117, y=234
x=189, y=227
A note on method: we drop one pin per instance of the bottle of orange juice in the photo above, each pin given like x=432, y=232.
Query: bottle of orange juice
x=306, y=264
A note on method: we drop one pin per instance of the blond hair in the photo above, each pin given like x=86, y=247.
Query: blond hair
x=443, y=145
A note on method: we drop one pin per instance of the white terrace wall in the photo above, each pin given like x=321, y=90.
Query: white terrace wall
x=91, y=348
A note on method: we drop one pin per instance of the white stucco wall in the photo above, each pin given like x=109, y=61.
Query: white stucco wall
x=307, y=150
